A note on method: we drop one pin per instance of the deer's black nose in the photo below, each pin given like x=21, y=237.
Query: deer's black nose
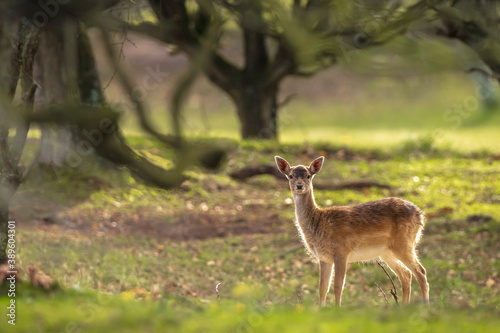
x=299, y=186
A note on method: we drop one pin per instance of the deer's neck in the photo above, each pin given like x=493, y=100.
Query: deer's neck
x=305, y=209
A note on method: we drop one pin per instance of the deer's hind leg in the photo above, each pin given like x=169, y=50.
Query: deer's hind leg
x=403, y=273
x=409, y=258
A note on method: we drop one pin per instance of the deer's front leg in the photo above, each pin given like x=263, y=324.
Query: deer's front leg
x=325, y=276
x=339, y=277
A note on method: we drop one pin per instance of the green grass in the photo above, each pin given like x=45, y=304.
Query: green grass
x=94, y=313
x=123, y=282
x=116, y=272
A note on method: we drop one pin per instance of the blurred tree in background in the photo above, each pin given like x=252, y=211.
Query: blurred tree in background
x=280, y=38
x=476, y=25
x=46, y=51
x=18, y=46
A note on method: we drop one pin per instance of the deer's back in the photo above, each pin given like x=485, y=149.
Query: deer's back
x=373, y=214
x=372, y=224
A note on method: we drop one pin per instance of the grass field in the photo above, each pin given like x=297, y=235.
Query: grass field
x=127, y=257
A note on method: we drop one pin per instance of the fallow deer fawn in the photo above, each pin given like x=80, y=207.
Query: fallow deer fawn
x=389, y=228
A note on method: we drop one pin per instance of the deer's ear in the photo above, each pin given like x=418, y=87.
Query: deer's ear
x=316, y=165
x=283, y=165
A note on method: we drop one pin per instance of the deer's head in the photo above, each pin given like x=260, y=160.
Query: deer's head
x=299, y=176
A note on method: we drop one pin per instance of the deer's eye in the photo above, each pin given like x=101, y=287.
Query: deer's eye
x=290, y=176
x=308, y=176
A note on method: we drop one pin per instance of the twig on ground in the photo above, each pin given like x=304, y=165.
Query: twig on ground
x=217, y=291
x=394, y=291
x=382, y=291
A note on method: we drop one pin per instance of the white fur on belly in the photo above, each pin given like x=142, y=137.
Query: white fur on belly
x=366, y=253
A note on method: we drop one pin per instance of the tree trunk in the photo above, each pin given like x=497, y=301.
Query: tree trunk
x=254, y=87
x=10, y=173
x=257, y=109
x=256, y=101
x=55, y=70
x=11, y=151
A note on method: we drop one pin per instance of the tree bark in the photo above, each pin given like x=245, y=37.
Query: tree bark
x=257, y=110
x=55, y=70
x=254, y=88
x=10, y=172
x=256, y=101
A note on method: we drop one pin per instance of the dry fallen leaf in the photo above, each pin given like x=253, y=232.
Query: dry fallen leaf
x=490, y=282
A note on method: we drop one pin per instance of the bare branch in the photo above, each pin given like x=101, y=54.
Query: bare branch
x=209, y=157
x=219, y=70
x=248, y=172
x=85, y=115
x=394, y=291
x=120, y=53
x=140, y=109
x=217, y=291
x=382, y=291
